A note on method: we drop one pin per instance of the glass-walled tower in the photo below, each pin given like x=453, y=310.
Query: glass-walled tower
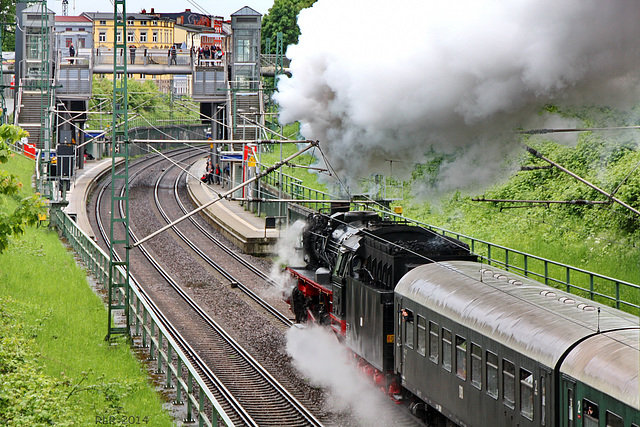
x=246, y=24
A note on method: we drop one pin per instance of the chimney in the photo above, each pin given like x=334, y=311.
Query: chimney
x=187, y=10
x=152, y=11
x=144, y=11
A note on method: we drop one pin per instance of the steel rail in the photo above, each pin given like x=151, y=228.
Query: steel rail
x=308, y=418
x=220, y=269
x=260, y=370
x=205, y=372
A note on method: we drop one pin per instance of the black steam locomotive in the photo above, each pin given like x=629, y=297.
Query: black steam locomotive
x=462, y=342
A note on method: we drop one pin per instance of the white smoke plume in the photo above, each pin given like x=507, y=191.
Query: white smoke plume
x=320, y=357
x=288, y=253
x=376, y=80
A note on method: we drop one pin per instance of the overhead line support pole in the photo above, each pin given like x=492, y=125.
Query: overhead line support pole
x=582, y=180
x=119, y=290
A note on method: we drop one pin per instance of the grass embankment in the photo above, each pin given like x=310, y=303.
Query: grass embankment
x=55, y=367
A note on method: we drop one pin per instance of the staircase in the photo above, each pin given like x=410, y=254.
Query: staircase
x=247, y=104
x=31, y=113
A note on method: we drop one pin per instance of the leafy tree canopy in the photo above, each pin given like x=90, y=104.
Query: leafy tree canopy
x=29, y=208
x=8, y=11
x=283, y=17
x=144, y=98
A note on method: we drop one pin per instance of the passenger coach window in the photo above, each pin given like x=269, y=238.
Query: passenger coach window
x=613, y=420
x=476, y=366
x=492, y=375
x=508, y=383
x=446, y=349
x=461, y=357
x=591, y=414
x=407, y=316
x=526, y=394
x=434, y=342
x=422, y=335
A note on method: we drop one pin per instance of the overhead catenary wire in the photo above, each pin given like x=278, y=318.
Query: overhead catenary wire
x=231, y=191
x=584, y=181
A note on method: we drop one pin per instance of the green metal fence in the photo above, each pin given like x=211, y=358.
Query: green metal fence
x=618, y=293
x=178, y=372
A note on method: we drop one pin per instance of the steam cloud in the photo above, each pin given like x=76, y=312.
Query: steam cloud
x=287, y=254
x=318, y=355
x=376, y=80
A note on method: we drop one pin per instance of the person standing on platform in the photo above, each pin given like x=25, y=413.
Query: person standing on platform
x=217, y=174
x=209, y=173
x=173, y=54
x=72, y=52
x=132, y=53
x=227, y=174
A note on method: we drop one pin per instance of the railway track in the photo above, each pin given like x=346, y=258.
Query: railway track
x=210, y=283
x=230, y=254
x=250, y=392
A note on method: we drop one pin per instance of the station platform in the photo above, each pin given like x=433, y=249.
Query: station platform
x=241, y=227
x=86, y=179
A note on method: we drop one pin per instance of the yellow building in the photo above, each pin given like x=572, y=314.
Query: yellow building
x=148, y=39
x=143, y=31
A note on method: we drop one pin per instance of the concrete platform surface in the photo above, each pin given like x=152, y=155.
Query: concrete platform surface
x=240, y=226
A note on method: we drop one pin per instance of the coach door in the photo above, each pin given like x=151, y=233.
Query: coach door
x=568, y=403
x=399, y=337
x=544, y=402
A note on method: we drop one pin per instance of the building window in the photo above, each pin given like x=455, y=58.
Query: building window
x=434, y=342
x=119, y=37
x=81, y=42
x=130, y=22
x=155, y=36
x=103, y=22
x=102, y=36
x=476, y=366
x=68, y=29
x=461, y=357
x=143, y=36
x=130, y=36
x=446, y=349
x=508, y=383
x=68, y=42
x=80, y=29
x=492, y=375
x=143, y=23
x=526, y=394
x=243, y=47
x=155, y=23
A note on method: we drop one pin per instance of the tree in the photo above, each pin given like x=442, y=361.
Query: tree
x=8, y=11
x=144, y=99
x=283, y=17
x=29, y=208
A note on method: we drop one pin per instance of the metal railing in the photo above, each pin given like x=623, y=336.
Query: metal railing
x=141, y=56
x=171, y=361
x=598, y=287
